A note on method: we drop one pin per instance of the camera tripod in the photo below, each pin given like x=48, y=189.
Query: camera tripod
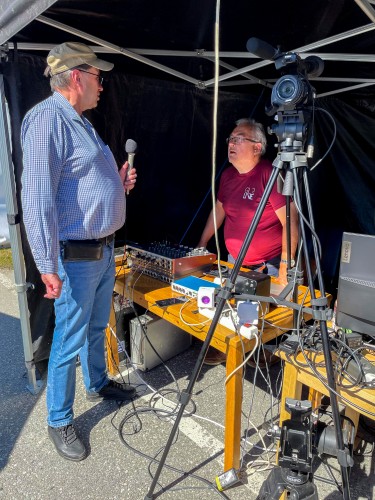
x=299, y=486
x=294, y=474
x=292, y=160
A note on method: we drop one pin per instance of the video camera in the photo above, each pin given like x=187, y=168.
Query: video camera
x=291, y=90
x=292, y=95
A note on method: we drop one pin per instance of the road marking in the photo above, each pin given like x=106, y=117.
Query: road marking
x=189, y=427
x=202, y=438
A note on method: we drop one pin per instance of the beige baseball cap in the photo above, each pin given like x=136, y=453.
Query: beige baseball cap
x=69, y=55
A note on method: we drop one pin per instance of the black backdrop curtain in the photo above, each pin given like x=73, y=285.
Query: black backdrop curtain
x=172, y=124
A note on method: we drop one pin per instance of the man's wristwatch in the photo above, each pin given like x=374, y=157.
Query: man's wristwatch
x=292, y=262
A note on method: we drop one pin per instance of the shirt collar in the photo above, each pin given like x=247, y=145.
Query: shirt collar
x=65, y=104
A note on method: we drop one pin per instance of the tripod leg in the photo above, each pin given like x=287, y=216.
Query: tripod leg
x=224, y=294
x=233, y=408
x=306, y=491
x=320, y=308
x=273, y=487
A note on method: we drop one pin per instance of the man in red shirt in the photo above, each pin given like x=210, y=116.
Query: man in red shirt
x=241, y=188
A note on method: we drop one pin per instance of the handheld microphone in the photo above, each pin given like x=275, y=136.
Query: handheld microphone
x=130, y=148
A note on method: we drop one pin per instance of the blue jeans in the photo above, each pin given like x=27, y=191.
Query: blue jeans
x=272, y=265
x=82, y=313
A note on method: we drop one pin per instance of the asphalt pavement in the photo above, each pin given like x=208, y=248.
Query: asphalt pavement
x=125, y=441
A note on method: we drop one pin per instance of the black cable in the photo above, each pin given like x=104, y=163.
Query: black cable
x=323, y=380
x=144, y=330
x=333, y=138
x=154, y=460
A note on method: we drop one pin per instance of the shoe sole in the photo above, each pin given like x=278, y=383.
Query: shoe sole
x=70, y=458
x=67, y=457
x=95, y=399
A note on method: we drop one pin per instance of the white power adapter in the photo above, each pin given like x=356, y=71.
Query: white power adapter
x=248, y=312
x=249, y=332
x=206, y=297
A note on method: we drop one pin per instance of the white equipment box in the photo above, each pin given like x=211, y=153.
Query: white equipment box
x=167, y=340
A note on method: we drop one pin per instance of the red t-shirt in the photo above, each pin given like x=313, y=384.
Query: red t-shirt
x=240, y=195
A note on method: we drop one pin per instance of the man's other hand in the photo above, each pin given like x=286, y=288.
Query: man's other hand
x=53, y=285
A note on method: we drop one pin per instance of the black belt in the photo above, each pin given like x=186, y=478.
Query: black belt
x=254, y=267
x=106, y=240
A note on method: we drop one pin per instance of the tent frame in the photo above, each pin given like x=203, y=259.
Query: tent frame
x=103, y=46
x=21, y=286
x=16, y=14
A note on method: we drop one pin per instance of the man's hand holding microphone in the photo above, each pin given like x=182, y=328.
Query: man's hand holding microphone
x=127, y=172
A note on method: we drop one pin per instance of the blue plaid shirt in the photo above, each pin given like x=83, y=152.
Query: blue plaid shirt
x=71, y=188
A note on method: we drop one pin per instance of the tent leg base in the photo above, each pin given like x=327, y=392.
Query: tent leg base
x=34, y=386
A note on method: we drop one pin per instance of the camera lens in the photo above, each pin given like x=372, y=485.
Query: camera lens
x=289, y=91
x=286, y=89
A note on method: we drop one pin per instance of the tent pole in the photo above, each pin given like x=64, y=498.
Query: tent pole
x=7, y=174
x=116, y=48
x=367, y=8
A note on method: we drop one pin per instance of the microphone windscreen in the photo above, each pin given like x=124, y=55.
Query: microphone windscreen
x=261, y=49
x=314, y=66
x=130, y=146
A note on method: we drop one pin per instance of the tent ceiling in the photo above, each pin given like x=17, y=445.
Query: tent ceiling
x=176, y=39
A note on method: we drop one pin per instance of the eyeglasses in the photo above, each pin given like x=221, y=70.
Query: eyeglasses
x=99, y=78
x=238, y=139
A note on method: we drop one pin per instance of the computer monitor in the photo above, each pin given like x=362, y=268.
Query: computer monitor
x=356, y=287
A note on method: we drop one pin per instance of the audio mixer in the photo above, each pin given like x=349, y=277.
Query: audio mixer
x=167, y=262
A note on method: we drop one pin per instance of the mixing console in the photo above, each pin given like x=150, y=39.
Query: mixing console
x=167, y=262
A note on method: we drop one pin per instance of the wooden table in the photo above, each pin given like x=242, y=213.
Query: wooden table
x=145, y=291
x=297, y=373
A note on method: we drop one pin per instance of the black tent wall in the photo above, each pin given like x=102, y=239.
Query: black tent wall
x=172, y=124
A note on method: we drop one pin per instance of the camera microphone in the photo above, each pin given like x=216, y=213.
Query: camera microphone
x=261, y=49
x=314, y=66
x=130, y=148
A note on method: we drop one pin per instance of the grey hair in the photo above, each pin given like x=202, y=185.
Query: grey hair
x=257, y=129
x=62, y=80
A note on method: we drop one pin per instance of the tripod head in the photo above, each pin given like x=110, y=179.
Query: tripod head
x=294, y=472
x=302, y=438
x=296, y=440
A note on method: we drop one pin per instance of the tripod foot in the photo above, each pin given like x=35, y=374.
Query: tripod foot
x=275, y=485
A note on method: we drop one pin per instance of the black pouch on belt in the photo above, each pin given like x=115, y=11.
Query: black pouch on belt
x=74, y=250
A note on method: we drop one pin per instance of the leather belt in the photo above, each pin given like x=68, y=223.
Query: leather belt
x=254, y=267
x=107, y=240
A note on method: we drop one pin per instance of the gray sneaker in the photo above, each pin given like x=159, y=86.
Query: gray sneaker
x=67, y=443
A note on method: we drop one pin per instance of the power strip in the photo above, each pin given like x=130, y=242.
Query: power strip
x=249, y=332
x=365, y=373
